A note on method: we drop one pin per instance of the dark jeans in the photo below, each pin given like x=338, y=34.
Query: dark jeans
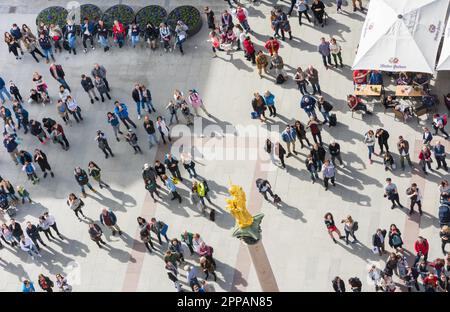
x=79, y=211
x=424, y=164
x=413, y=203
x=148, y=245
x=86, y=38
x=269, y=190
x=77, y=115
x=33, y=54
x=441, y=162
x=251, y=57
x=293, y=2
x=176, y=172
x=300, y=17
x=336, y=57
x=272, y=110
x=316, y=88
x=349, y=233
x=126, y=120
x=302, y=87
x=175, y=195
x=325, y=181
x=338, y=157
x=152, y=194
x=319, y=136
x=207, y=275
x=443, y=246
x=381, y=144
x=440, y=129
x=35, y=241
x=55, y=228
x=159, y=238
x=48, y=234
x=326, y=58
x=301, y=141
x=105, y=149
x=395, y=199
x=402, y=161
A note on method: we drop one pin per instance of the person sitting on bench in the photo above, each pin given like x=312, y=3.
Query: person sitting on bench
x=356, y=104
x=390, y=101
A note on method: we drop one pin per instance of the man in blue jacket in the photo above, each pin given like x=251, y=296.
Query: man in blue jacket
x=11, y=147
x=87, y=32
x=439, y=154
x=121, y=111
x=4, y=91
x=109, y=219
x=308, y=103
x=288, y=136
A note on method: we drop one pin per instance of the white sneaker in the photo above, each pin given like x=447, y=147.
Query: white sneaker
x=139, y=116
x=85, y=50
x=93, y=48
x=32, y=257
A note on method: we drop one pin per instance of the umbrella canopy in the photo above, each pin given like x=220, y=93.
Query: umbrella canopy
x=401, y=35
x=444, y=59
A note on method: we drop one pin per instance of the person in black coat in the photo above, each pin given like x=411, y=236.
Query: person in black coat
x=89, y=88
x=83, y=180
x=172, y=164
x=41, y=159
x=103, y=144
x=16, y=231
x=338, y=284
x=383, y=137
x=378, y=240
x=160, y=170
x=301, y=133
x=48, y=123
x=33, y=234
x=58, y=74
x=37, y=131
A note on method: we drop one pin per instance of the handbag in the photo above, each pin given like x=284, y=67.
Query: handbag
x=175, y=180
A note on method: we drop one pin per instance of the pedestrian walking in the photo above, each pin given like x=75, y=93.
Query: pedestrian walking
x=95, y=232
x=58, y=74
x=109, y=219
x=439, y=155
x=313, y=125
x=76, y=204
x=38, y=132
x=388, y=162
x=95, y=172
x=100, y=71
x=63, y=111
x=318, y=9
x=180, y=35
x=13, y=45
x=172, y=165
x=27, y=245
x=188, y=164
x=439, y=122
x=41, y=159
x=59, y=136
x=165, y=34
x=207, y=267
x=56, y=34
x=113, y=120
x=172, y=188
x=329, y=173
x=369, y=140
x=427, y=137
x=28, y=286
x=7, y=236
x=121, y=111
x=70, y=33
x=46, y=46
x=138, y=97
x=144, y=232
x=416, y=198
x=33, y=233
x=325, y=51
x=89, y=88
x=44, y=226
x=338, y=284
x=172, y=273
x=312, y=167
x=444, y=234
x=261, y=63
x=30, y=170
x=102, y=33
x=102, y=88
x=4, y=91
x=87, y=32
x=324, y=108
x=425, y=159
x=308, y=104
x=45, y=283
x=83, y=180
x=22, y=117
x=288, y=136
x=61, y=283
x=331, y=227
x=378, y=241
x=264, y=187
x=403, y=150
x=103, y=144
x=421, y=247
x=74, y=109
x=382, y=135
x=50, y=219
x=335, y=49
x=350, y=227
x=151, y=131
x=335, y=152
x=280, y=152
x=159, y=228
x=132, y=138
x=391, y=193
x=249, y=50
x=395, y=238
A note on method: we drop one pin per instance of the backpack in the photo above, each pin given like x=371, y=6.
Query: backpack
x=259, y=183
x=355, y=226
x=212, y=215
x=332, y=120
x=280, y=79
x=444, y=120
x=396, y=240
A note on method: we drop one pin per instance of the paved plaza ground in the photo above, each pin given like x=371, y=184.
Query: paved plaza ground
x=301, y=255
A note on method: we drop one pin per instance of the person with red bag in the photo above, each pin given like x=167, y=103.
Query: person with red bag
x=119, y=33
x=272, y=45
x=425, y=158
x=249, y=49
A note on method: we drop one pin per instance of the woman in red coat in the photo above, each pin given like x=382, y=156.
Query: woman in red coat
x=272, y=46
x=249, y=50
x=119, y=33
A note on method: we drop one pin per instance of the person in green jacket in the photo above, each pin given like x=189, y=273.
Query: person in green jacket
x=94, y=172
x=187, y=238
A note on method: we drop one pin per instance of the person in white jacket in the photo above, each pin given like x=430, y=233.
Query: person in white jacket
x=27, y=245
x=374, y=276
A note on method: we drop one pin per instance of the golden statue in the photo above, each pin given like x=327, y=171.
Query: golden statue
x=238, y=207
x=247, y=228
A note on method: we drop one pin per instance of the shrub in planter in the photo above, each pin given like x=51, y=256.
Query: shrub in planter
x=122, y=13
x=151, y=13
x=92, y=12
x=189, y=15
x=53, y=15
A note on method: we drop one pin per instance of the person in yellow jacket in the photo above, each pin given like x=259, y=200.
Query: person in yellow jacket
x=202, y=191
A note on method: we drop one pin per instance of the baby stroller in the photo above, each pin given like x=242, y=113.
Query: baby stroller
x=6, y=207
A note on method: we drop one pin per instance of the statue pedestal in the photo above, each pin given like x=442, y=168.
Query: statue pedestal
x=262, y=267
x=251, y=234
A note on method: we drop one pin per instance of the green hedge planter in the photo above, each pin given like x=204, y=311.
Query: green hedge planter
x=151, y=13
x=53, y=15
x=92, y=12
x=123, y=13
x=189, y=15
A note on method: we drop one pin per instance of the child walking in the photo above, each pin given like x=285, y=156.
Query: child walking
x=23, y=193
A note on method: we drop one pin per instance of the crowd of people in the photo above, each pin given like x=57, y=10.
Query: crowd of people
x=231, y=33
